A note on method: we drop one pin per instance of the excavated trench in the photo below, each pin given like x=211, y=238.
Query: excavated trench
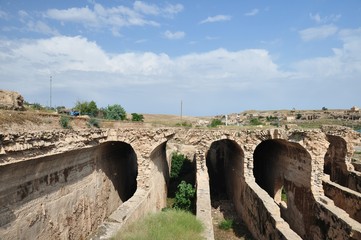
x=66, y=196
x=224, y=162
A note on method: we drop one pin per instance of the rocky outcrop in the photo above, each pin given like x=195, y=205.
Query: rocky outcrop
x=11, y=100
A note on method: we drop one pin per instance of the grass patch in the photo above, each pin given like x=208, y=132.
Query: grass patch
x=170, y=224
x=226, y=224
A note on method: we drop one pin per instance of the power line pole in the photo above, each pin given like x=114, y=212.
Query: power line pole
x=181, y=111
x=51, y=80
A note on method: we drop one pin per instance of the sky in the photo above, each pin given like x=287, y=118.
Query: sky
x=212, y=57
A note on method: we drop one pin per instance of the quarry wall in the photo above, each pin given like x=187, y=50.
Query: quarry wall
x=48, y=169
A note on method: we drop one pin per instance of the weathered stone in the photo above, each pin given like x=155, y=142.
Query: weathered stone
x=11, y=100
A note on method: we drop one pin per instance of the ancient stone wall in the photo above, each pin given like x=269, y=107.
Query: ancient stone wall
x=344, y=198
x=67, y=195
x=299, y=163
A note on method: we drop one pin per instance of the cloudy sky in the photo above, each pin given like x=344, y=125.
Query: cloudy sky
x=216, y=57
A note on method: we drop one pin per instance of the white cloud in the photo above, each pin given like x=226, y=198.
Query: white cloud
x=170, y=10
x=253, y=12
x=79, y=15
x=41, y=27
x=81, y=68
x=114, y=17
x=344, y=64
x=327, y=19
x=146, y=8
x=217, y=18
x=315, y=33
x=32, y=25
x=174, y=35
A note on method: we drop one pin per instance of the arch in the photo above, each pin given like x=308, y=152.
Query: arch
x=224, y=161
x=283, y=165
x=335, y=160
x=119, y=163
x=85, y=186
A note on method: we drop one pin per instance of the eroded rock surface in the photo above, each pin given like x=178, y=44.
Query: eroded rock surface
x=11, y=100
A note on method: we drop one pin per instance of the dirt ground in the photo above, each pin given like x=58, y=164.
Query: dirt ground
x=224, y=209
x=12, y=121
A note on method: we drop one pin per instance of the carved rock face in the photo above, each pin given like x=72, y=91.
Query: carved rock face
x=11, y=100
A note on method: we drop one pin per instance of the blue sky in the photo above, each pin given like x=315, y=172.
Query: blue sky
x=217, y=57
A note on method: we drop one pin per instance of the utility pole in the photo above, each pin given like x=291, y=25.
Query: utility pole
x=50, y=89
x=181, y=111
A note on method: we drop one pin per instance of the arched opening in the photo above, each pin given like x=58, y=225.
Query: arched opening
x=119, y=163
x=283, y=170
x=84, y=186
x=334, y=164
x=224, y=161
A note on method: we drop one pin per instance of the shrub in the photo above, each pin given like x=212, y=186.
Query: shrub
x=36, y=106
x=115, y=112
x=226, y=224
x=216, y=122
x=64, y=122
x=184, y=197
x=177, y=164
x=94, y=123
x=137, y=117
x=255, y=121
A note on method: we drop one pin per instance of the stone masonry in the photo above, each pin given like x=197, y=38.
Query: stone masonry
x=251, y=166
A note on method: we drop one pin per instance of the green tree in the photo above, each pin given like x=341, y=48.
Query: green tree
x=184, y=197
x=137, y=117
x=115, y=112
x=87, y=108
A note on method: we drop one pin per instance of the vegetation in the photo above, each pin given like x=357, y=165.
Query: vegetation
x=181, y=183
x=167, y=225
x=137, y=117
x=184, y=197
x=255, y=121
x=115, y=112
x=226, y=224
x=215, y=122
x=64, y=122
x=87, y=108
x=178, y=160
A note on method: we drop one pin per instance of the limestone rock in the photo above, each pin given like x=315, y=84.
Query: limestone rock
x=11, y=100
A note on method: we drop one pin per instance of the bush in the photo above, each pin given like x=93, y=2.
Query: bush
x=215, y=123
x=176, y=164
x=226, y=224
x=115, y=112
x=64, y=122
x=184, y=197
x=255, y=121
x=137, y=117
x=94, y=123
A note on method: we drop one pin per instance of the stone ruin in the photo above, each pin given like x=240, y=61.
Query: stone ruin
x=72, y=184
x=11, y=100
